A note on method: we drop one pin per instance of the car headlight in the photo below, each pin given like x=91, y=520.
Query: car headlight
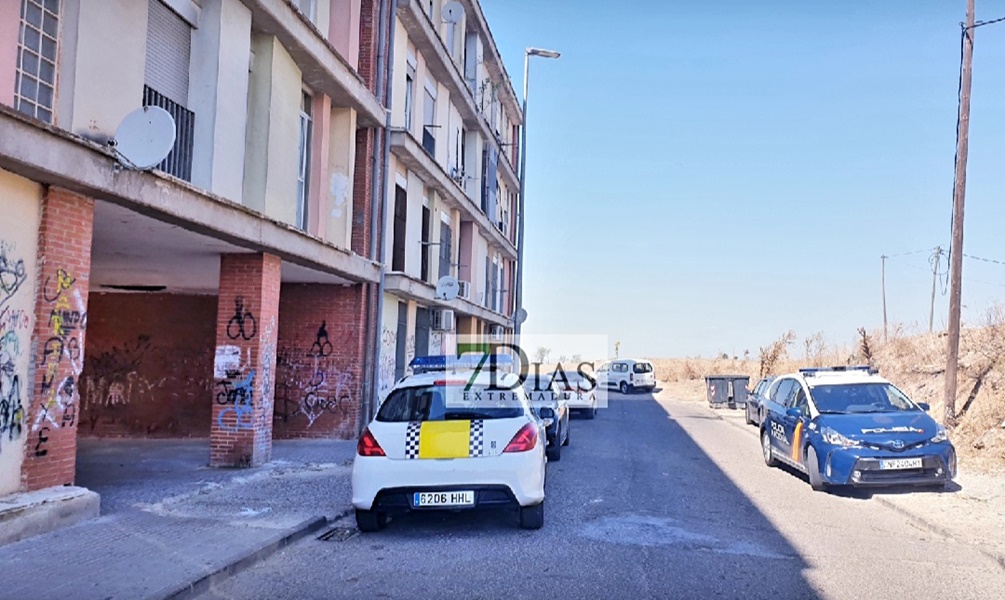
x=832, y=437
x=940, y=435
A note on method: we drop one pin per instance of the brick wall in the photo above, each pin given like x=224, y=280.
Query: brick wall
x=149, y=366
x=319, y=369
x=64, y=266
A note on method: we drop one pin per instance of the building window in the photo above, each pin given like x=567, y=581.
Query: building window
x=35, y=77
x=166, y=81
x=429, y=124
x=308, y=8
x=304, y=170
x=409, y=95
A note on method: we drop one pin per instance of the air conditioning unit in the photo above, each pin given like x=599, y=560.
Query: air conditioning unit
x=464, y=290
x=443, y=320
x=496, y=333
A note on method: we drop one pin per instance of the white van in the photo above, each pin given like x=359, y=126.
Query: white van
x=627, y=375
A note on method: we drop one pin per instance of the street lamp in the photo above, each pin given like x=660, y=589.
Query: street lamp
x=517, y=321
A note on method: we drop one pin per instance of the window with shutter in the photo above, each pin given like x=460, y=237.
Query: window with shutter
x=169, y=49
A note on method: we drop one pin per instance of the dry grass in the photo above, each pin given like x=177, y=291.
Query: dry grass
x=914, y=362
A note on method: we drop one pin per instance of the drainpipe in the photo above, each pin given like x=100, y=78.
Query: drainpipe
x=380, y=195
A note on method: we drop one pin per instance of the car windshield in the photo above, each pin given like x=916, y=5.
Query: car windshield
x=642, y=368
x=860, y=398
x=452, y=403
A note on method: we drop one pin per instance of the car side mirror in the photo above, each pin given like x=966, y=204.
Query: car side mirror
x=795, y=411
x=924, y=406
x=546, y=412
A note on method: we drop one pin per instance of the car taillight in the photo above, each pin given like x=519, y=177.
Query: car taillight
x=524, y=440
x=368, y=445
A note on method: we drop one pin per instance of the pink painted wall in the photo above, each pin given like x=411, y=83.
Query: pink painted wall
x=10, y=27
x=343, y=31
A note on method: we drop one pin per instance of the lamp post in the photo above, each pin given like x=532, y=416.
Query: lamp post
x=517, y=322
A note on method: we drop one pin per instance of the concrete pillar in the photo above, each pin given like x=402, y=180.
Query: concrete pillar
x=64, y=267
x=245, y=360
x=319, y=372
x=338, y=193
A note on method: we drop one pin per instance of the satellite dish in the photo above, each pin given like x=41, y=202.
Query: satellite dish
x=145, y=137
x=453, y=12
x=447, y=288
x=520, y=316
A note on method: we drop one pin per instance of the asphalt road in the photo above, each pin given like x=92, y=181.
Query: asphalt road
x=654, y=498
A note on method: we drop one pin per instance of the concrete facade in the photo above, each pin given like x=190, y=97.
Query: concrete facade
x=231, y=292
x=454, y=122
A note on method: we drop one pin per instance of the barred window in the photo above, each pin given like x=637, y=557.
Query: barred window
x=35, y=84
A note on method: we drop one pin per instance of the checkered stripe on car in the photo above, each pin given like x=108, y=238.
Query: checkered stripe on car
x=412, y=440
x=476, y=439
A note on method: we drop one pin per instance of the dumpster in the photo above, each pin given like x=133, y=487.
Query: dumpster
x=730, y=390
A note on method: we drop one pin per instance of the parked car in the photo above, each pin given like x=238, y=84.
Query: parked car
x=755, y=401
x=551, y=406
x=579, y=390
x=450, y=439
x=627, y=375
x=849, y=426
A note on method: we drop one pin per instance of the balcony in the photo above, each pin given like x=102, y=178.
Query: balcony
x=415, y=157
x=179, y=161
x=403, y=286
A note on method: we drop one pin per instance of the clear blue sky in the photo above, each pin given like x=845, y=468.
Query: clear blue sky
x=704, y=176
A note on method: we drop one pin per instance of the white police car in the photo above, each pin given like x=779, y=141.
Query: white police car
x=455, y=435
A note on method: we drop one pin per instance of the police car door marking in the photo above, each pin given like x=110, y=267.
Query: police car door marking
x=795, y=441
x=777, y=431
x=412, y=440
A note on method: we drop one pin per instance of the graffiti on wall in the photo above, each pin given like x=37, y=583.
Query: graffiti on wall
x=388, y=343
x=136, y=375
x=311, y=387
x=242, y=326
x=322, y=346
x=12, y=274
x=268, y=360
x=11, y=407
x=61, y=357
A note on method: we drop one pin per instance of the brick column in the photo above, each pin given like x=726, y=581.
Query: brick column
x=64, y=268
x=245, y=361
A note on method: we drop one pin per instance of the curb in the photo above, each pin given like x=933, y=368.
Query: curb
x=914, y=518
x=250, y=559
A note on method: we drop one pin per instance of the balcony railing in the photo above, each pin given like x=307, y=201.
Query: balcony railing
x=428, y=141
x=179, y=161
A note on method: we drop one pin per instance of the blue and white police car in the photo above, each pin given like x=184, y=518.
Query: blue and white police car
x=849, y=426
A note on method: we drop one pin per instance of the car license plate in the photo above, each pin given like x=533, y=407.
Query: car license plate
x=430, y=499
x=900, y=463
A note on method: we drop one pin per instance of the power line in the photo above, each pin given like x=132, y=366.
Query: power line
x=987, y=260
x=908, y=253
x=983, y=23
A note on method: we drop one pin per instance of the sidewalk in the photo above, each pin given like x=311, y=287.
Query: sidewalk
x=168, y=521
x=971, y=511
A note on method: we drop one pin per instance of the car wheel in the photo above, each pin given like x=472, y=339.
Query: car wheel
x=369, y=521
x=624, y=387
x=567, y=434
x=532, y=517
x=813, y=470
x=769, y=458
x=554, y=452
x=746, y=416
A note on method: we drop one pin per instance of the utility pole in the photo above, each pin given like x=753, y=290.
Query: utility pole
x=886, y=336
x=935, y=277
x=959, y=193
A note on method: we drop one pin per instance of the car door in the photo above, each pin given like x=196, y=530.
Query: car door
x=775, y=414
x=603, y=374
x=795, y=424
